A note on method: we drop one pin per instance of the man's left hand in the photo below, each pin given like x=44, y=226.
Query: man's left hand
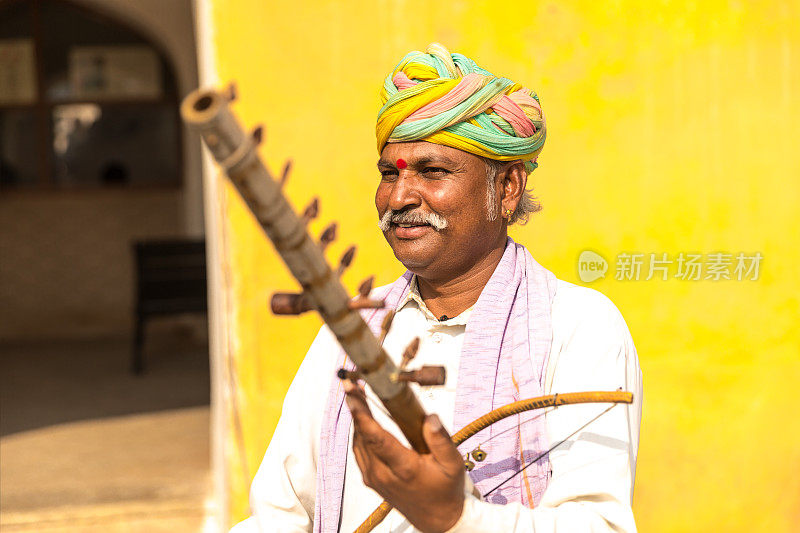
x=428, y=489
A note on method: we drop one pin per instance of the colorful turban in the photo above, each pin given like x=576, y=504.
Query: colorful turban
x=448, y=99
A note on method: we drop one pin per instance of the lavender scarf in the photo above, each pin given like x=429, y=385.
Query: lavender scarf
x=508, y=335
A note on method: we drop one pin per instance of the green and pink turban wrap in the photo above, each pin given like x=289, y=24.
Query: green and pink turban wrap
x=448, y=99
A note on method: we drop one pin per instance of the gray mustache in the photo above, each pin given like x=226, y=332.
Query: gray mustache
x=391, y=216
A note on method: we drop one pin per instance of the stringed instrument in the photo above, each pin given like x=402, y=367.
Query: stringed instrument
x=208, y=112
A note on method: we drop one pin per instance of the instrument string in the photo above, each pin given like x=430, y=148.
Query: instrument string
x=378, y=405
x=565, y=439
x=380, y=408
x=512, y=428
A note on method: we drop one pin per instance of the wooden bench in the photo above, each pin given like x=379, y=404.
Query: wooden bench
x=170, y=279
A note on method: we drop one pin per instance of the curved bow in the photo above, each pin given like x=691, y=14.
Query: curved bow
x=515, y=408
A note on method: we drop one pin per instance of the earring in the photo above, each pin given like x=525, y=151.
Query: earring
x=508, y=213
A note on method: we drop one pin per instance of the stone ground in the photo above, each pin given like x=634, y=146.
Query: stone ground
x=87, y=447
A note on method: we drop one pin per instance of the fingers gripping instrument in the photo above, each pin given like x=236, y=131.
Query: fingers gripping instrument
x=501, y=413
x=208, y=112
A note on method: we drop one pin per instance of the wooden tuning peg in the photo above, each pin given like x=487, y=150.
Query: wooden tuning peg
x=385, y=325
x=362, y=301
x=311, y=211
x=287, y=167
x=346, y=260
x=366, y=287
x=352, y=375
x=365, y=303
x=258, y=134
x=328, y=236
x=288, y=303
x=230, y=93
x=426, y=375
x=410, y=353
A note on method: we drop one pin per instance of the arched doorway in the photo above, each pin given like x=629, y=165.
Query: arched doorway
x=86, y=97
x=92, y=159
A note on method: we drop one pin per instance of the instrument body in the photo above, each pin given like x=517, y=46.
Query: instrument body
x=521, y=406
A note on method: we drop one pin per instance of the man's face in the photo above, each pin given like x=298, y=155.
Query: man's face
x=442, y=181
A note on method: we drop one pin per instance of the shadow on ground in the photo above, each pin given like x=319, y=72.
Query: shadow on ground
x=89, y=447
x=47, y=382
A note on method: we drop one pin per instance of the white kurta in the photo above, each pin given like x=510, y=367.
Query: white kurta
x=592, y=472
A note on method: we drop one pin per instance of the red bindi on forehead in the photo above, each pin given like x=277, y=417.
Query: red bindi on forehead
x=401, y=164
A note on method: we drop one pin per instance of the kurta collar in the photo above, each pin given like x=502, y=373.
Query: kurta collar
x=413, y=298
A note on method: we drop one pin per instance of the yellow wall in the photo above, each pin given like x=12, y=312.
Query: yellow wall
x=673, y=127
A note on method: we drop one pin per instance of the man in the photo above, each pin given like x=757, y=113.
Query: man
x=456, y=146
